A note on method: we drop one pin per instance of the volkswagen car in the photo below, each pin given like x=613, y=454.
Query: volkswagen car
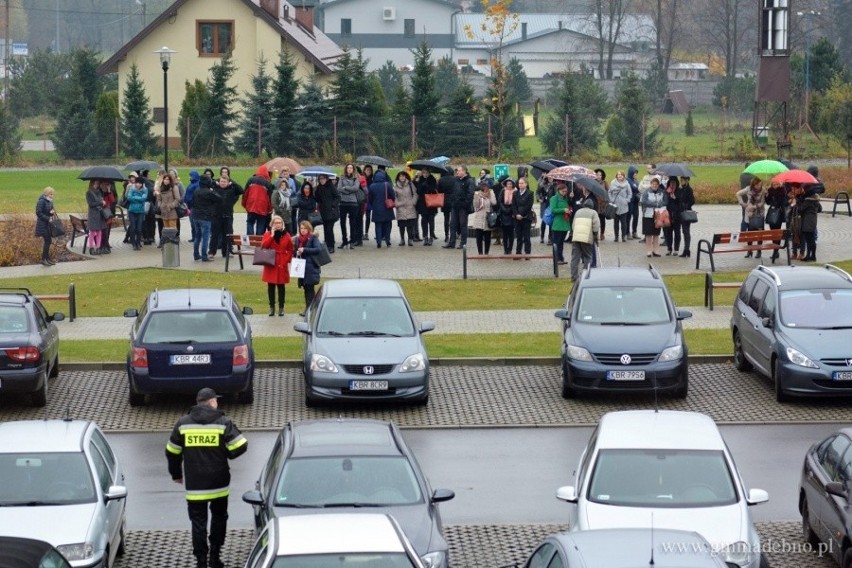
x=622, y=333
x=185, y=339
x=793, y=324
x=29, y=553
x=61, y=483
x=362, y=342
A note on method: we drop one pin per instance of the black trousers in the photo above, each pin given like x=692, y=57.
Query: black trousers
x=447, y=214
x=408, y=225
x=270, y=292
x=218, y=525
x=310, y=292
x=458, y=226
x=686, y=229
x=483, y=241
x=349, y=211
x=328, y=233
x=522, y=236
x=45, y=248
x=508, y=238
x=219, y=231
x=427, y=224
x=672, y=234
x=148, y=228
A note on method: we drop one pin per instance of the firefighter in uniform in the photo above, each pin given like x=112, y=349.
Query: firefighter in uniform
x=198, y=451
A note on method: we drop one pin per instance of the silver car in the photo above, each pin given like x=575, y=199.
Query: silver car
x=665, y=469
x=62, y=484
x=363, y=343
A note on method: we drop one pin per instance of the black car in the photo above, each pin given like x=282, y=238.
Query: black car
x=825, y=497
x=187, y=339
x=29, y=553
x=794, y=325
x=29, y=344
x=350, y=465
x=622, y=333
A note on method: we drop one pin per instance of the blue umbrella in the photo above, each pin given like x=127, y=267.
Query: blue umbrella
x=440, y=160
x=316, y=171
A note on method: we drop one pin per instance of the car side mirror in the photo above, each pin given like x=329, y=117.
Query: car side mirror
x=837, y=489
x=683, y=314
x=115, y=492
x=567, y=493
x=57, y=316
x=253, y=497
x=131, y=313
x=767, y=322
x=563, y=314
x=441, y=495
x=247, y=311
x=426, y=326
x=757, y=496
x=302, y=327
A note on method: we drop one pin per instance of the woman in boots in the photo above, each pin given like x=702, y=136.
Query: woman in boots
x=277, y=238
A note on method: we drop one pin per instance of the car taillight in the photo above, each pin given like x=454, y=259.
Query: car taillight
x=240, y=355
x=139, y=358
x=23, y=353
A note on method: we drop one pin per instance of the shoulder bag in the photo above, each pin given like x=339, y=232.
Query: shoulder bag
x=547, y=216
x=323, y=257
x=315, y=219
x=433, y=200
x=689, y=216
x=493, y=218
x=756, y=222
x=389, y=203
x=106, y=213
x=56, y=227
x=774, y=216
x=610, y=211
x=264, y=257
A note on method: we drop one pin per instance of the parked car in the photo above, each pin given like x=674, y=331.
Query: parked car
x=606, y=548
x=825, y=496
x=357, y=539
x=29, y=344
x=794, y=325
x=666, y=470
x=362, y=342
x=16, y=552
x=62, y=484
x=329, y=466
x=187, y=339
x=622, y=333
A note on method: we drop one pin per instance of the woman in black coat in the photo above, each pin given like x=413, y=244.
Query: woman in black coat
x=426, y=183
x=306, y=245
x=306, y=203
x=44, y=211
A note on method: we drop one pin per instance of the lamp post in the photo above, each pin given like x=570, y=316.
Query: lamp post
x=808, y=17
x=165, y=59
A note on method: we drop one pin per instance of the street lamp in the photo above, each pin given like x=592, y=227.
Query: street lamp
x=165, y=59
x=808, y=17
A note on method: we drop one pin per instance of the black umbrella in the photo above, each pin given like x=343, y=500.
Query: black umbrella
x=141, y=165
x=374, y=160
x=429, y=166
x=591, y=184
x=102, y=172
x=679, y=170
x=541, y=166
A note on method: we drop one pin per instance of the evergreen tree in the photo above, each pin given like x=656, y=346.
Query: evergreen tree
x=73, y=124
x=10, y=135
x=376, y=140
x=390, y=78
x=285, y=88
x=193, y=117
x=447, y=79
x=425, y=99
x=399, y=121
x=463, y=131
x=519, y=85
x=349, y=102
x=257, y=109
x=27, y=93
x=312, y=124
x=101, y=138
x=137, y=140
x=84, y=74
x=220, y=113
x=506, y=122
x=655, y=85
x=584, y=103
x=625, y=130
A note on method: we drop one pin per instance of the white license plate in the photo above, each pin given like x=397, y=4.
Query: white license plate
x=625, y=375
x=368, y=385
x=194, y=359
x=842, y=376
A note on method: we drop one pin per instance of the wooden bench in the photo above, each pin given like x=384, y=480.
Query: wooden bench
x=710, y=285
x=241, y=245
x=745, y=241
x=79, y=226
x=551, y=257
x=71, y=297
x=120, y=213
x=841, y=197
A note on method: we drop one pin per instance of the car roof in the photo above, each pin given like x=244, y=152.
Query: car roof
x=189, y=298
x=371, y=287
x=807, y=277
x=16, y=299
x=664, y=429
x=337, y=532
x=622, y=277
x=31, y=436
x=343, y=437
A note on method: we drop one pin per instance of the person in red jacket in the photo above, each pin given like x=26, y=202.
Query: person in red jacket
x=276, y=276
x=257, y=201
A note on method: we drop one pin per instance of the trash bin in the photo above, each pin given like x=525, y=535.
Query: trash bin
x=171, y=248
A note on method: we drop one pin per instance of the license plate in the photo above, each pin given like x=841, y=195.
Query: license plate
x=625, y=375
x=194, y=359
x=368, y=385
x=842, y=376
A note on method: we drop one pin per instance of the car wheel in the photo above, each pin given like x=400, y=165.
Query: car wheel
x=740, y=361
x=310, y=402
x=247, y=396
x=54, y=370
x=39, y=397
x=683, y=389
x=807, y=532
x=423, y=401
x=133, y=397
x=568, y=391
x=780, y=395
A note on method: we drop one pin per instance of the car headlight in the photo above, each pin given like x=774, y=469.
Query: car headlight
x=76, y=551
x=672, y=353
x=579, y=353
x=322, y=363
x=435, y=559
x=739, y=553
x=416, y=362
x=798, y=358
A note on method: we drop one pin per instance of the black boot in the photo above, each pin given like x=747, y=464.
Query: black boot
x=215, y=559
x=759, y=254
x=281, y=311
x=201, y=561
x=271, y=310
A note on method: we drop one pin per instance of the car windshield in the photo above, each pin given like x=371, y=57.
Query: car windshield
x=365, y=317
x=337, y=560
x=45, y=479
x=347, y=481
x=191, y=326
x=13, y=319
x=662, y=478
x=622, y=305
x=817, y=309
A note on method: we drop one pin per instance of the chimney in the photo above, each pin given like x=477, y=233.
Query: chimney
x=286, y=13
x=271, y=7
x=305, y=14
x=523, y=30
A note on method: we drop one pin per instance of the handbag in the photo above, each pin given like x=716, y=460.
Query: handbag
x=264, y=257
x=106, y=213
x=662, y=218
x=182, y=210
x=56, y=227
x=547, y=216
x=689, y=216
x=389, y=203
x=492, y=219
x=434, y=200
x=297, y=267
x=774, y=216
x=323, y=257
x=315, y=219
x=756, y=222
x=610, y=211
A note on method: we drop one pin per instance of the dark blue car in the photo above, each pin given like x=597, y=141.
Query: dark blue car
x=187, y=339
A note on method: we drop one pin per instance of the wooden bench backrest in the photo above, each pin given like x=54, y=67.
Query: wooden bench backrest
x=750, y=236
x=254, y=240
x=78, y=223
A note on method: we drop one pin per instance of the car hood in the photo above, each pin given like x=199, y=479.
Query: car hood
x=721, y=526
x=64, y=524
x=622, y=338
x=820, y=343
x=367, y=350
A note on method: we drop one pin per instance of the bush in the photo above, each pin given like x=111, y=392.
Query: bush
x=19, y=246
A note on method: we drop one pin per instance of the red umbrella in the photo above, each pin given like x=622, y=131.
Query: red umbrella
x=795, y=176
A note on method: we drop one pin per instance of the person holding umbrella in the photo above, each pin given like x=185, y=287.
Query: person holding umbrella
x=137, y=196
x=425, y=183
x=96, y=221
x=651, y=201
x=687, y=201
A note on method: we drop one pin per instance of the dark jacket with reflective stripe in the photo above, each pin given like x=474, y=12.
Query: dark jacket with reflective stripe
x=198, y=451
